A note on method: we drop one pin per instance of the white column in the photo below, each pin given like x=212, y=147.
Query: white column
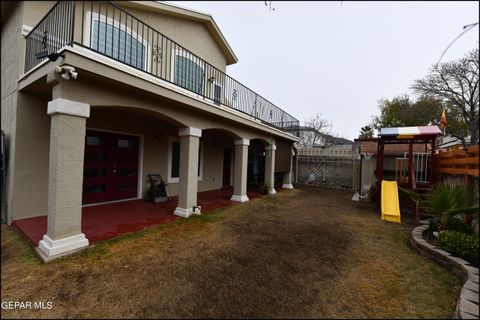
x=240, y=174
x=188, y=175
x=67, y=144
x=287, y=176
x=270, y=167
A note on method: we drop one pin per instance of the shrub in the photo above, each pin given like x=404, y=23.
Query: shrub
x=459, y=244
x=264, y=188
x=445, y=200
x=456, y=223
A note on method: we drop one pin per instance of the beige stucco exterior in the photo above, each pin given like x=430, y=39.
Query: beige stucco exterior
x=45, y=152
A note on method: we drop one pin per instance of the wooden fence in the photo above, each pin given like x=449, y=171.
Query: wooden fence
x=459, y=161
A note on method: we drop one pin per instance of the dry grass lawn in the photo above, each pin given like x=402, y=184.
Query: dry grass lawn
x=304, y=253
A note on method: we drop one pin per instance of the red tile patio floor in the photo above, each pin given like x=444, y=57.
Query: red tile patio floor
x=104, y=221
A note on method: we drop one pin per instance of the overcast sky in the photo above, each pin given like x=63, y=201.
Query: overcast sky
x=335, y=58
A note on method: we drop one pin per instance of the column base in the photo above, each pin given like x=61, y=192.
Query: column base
x=287, y=186
x=185, y=213
x=272, y=191
x=49, y=249
x=236, y=198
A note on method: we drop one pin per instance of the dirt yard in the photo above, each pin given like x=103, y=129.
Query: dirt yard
x=303, y=253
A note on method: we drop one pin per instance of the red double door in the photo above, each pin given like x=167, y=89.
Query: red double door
x=110, y=167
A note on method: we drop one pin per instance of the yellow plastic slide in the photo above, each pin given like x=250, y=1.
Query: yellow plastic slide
x=390, y=204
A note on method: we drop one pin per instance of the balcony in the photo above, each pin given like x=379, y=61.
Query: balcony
x=106, y=29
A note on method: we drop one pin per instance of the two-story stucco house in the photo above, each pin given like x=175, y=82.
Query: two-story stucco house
x=96, y=95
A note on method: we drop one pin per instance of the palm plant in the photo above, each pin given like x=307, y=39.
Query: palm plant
x=446, y=200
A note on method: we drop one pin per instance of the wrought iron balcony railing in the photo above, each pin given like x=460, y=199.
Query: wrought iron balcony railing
x=109, y=30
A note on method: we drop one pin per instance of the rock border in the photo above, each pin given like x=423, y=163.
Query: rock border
x=467, y=304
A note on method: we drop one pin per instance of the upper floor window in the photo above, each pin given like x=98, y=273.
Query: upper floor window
x=188, y=71
x=113, y=39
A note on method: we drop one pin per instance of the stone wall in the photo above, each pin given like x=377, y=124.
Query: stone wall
x=337, y=173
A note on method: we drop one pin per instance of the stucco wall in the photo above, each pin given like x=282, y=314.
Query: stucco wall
x=192, y=35
x=30, y=188
x=10, y=65
x=98, y=92
x=156, y=137
x=36, y=10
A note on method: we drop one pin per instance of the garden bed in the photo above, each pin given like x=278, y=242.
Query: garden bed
x=467, y=304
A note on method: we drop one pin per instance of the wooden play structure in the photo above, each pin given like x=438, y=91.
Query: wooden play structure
x=414, y=171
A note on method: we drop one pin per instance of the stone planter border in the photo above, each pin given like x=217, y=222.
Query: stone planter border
x=467, y=304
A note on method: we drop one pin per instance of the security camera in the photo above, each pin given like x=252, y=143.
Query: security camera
x=66, y=76
x=74, y=75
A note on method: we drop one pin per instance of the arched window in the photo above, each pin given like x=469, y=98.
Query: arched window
x=188, y=72
x=115, y=40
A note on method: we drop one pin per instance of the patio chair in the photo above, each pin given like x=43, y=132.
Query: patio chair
x=157, y=191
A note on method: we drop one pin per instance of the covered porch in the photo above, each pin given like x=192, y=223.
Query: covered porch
x=105, y=221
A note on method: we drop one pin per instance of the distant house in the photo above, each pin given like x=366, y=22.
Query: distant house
x=310, y=138
x=98, y=95
x=448, y=141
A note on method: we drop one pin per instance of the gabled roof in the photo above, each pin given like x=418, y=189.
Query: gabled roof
x=176, y=11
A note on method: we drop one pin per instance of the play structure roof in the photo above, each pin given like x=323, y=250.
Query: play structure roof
x=410, y=131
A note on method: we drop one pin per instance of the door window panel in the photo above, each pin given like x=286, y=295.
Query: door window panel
x=99, y=157
x=126, y=144
x=125, y=186
x=126, y=172
x=95, y=188
x=94, y=173
x=94, y=141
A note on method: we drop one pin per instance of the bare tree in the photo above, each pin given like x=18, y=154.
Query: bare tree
x=313, y=131
x=317, y=131
x=457, y=84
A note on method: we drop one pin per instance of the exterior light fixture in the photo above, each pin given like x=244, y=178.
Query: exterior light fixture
x=67, y=72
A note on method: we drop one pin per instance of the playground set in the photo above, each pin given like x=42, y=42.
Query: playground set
x=415, y=171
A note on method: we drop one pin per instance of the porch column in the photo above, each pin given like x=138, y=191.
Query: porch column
x=187, y=193
x=67, y=144
x=287, y=176
x=270, y=167
x=240, y=174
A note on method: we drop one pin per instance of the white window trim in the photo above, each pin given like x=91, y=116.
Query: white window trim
x=169, y=155
x=180, y=52
x=101, y=18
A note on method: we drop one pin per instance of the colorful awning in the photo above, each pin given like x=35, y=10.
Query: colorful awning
x=410, y=131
